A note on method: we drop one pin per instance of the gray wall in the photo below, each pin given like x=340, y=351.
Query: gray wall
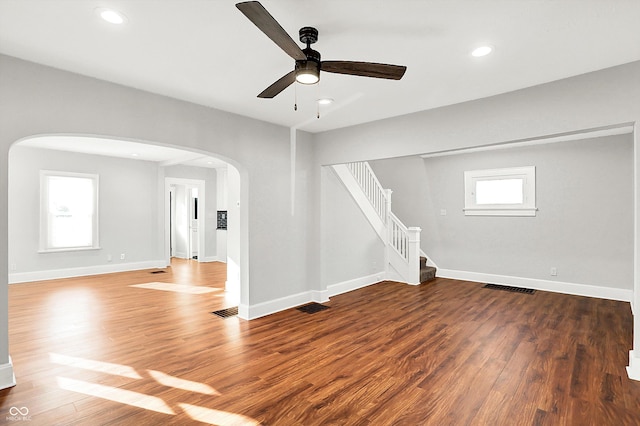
x=583, y=227
x=130, y=221
x=601, y=99
x=351, y=248
x=127, y=209
x=587, y=101
x=39, y=100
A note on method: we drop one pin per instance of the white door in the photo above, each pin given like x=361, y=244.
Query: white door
x=193, y=223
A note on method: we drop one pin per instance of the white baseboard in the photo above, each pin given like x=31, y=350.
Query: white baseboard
x=319, y=296
x=354, y=284
x=213, y=259
x=7, y=376
x=243, y=311
x=633, y=369
x=24, y=277
x=271, y=307
x=258, y=310
x=543, y=285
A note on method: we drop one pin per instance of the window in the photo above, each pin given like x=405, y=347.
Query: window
x=500, y=192
x=68, y=211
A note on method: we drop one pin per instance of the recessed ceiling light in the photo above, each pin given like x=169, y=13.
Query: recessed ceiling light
x=325, y=101
x=481, y=51
x=112, y=16
x=134, y=155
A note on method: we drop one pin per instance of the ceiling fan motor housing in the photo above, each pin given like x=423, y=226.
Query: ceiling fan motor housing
x=308, y=35
x=310, y=66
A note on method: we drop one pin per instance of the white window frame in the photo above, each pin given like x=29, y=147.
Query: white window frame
x=44, y=245
x=526, y=208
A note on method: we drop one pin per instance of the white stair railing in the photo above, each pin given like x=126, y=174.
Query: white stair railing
x=398, y=236
x=371, y=186
x=404, y=241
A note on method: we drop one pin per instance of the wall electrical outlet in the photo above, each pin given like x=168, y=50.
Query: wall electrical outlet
x=109, y=258
x=121, y=256
x=554, y=271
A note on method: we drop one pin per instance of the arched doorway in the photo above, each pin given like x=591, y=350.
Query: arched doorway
x=153, y=161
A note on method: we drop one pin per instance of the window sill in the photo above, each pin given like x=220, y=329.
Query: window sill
x=67, y=249
x=527, y=212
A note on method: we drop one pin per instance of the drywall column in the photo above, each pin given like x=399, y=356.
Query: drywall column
x=234, y=267
x=413, y=233
x=633, y=370
x=7, y=378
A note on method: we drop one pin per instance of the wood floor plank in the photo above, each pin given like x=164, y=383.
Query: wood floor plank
x=96, y=351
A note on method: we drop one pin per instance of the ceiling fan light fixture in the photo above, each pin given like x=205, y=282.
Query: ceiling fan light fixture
x=307, y=72
x=307, y=78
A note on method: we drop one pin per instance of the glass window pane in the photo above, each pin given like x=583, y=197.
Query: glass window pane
x=500, y=191
x=70, y=212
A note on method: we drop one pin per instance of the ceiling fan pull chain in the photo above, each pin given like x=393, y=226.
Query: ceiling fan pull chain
x=295, y=100
x=318, y=98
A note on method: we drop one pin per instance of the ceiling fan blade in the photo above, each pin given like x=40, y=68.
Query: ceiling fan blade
x=277, y=87
x=365, y=69
x=268, y=25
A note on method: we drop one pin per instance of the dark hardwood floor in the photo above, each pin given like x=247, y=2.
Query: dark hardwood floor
x=95, y=351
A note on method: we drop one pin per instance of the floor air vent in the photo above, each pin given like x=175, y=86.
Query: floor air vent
x=226, y=313
x=158, y=272
x=312, y=308
x=508, y=288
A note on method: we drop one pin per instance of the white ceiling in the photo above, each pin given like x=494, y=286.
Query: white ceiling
x=164, y=156
x=207, y=52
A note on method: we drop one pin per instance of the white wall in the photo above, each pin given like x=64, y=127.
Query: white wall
x=127, y=214
x=583, y=227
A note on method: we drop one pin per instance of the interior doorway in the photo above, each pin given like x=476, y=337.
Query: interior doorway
x=185, y=224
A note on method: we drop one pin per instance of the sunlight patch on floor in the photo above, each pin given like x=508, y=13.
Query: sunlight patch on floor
x=72, y=311
x=110, y=393
x=99, y=366
x=187, y=385
x=178, y=288
x=216, y=417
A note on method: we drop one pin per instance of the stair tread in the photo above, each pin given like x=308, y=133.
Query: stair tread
x=427, y=273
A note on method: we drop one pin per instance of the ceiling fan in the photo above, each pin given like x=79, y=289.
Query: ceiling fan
x=308, y=64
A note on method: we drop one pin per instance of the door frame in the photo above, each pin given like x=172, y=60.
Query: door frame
x=189, y=183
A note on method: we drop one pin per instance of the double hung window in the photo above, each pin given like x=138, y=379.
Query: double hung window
x=68, y=211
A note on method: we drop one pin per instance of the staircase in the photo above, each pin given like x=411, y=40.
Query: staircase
x=427, y=273
x=402, y=253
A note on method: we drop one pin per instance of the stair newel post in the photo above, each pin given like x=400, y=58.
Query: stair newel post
x=387, y=205
x=414, y=253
